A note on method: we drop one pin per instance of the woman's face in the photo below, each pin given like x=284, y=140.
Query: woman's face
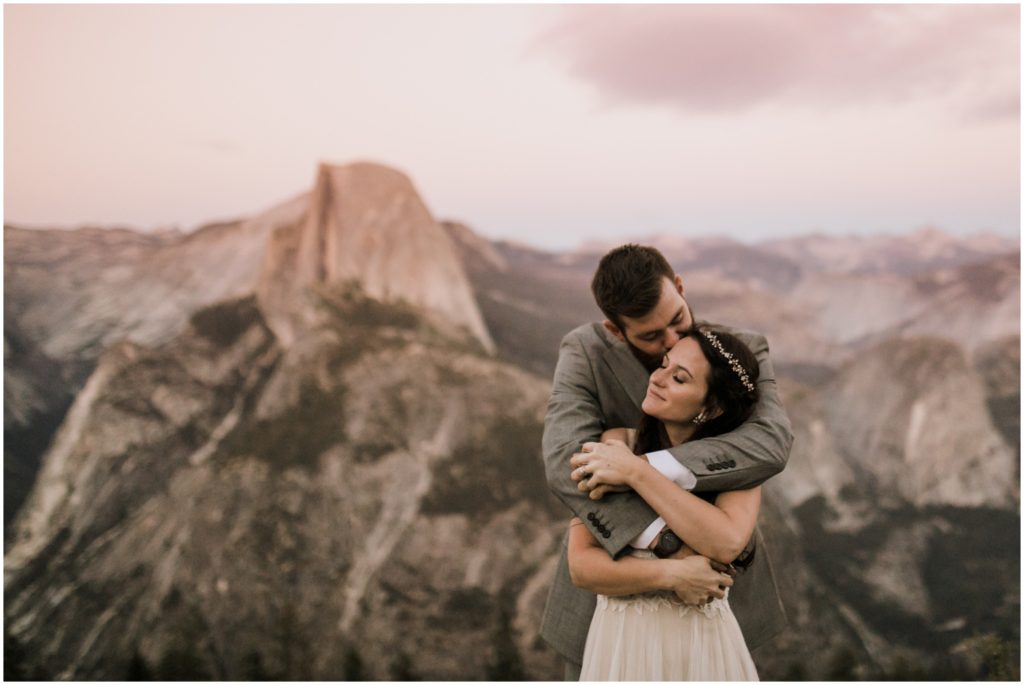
x=677, y=390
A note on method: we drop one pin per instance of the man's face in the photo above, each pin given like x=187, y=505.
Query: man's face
x=650, y=337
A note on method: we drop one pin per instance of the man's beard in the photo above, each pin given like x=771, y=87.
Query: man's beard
x=649, y=361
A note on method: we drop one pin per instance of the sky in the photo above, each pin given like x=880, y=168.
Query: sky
x=550, y=125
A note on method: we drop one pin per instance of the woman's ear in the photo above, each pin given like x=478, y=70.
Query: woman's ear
x=712, y=410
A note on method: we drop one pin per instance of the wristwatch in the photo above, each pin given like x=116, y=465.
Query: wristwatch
x=669, y=543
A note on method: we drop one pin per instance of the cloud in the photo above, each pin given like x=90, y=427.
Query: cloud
x=716, y=58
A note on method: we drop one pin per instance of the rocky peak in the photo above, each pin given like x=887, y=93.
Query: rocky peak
x=366, y=224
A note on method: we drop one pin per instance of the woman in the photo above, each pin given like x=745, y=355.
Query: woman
x=706, y=386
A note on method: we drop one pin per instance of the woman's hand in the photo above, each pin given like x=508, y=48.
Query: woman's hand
x=605, y=467
x=694, y=580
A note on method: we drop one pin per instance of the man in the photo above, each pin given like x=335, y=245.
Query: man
x=599, y=383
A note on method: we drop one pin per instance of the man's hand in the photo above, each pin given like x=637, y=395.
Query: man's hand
x=602, y=490
x=583, y=478
x=694, y=580
x=604, y=467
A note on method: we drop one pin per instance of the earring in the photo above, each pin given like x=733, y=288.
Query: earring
x=700, y=418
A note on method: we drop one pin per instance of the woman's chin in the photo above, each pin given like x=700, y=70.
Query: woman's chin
x=649, y=407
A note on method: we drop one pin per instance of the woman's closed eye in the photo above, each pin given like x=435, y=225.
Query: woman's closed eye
x=665, y=364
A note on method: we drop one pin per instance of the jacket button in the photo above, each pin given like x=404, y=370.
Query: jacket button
x=606, y=534
x=732, y=463
x=591, y=517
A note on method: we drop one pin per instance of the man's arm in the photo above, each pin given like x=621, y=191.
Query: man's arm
x=738, y=460
x=574, y=417
x=693, y=578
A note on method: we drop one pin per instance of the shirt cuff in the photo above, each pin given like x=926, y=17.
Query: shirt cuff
x=644, y=539
x=667, y=466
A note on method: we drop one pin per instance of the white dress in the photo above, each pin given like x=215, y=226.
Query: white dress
x=654, y=636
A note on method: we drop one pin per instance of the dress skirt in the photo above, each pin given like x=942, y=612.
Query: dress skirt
x=656, y=637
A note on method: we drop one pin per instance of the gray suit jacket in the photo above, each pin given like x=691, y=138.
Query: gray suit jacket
x=598, y=384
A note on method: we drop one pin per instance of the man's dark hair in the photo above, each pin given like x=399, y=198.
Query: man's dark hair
x=628, y=282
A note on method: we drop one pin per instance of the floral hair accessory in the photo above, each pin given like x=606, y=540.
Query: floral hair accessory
x=734, y=363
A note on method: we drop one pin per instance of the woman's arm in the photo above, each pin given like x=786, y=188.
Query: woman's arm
x=590, y=568
x=720, y=531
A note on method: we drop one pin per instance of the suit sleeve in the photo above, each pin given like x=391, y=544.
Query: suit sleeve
x=574, y=416
x=752, y=453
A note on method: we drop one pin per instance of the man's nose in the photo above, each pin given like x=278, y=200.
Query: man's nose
x=671, y=338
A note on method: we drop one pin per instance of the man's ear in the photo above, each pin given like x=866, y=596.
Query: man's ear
x=678, y=280
x=614, y=330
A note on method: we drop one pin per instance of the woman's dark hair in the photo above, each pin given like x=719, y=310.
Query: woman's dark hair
x=726, y=388
x=628, y=282
x=727, y=392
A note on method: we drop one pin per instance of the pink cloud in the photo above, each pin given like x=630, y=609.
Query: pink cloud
x=727, y=57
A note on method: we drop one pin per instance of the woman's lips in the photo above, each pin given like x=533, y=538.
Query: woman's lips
x=655, y=395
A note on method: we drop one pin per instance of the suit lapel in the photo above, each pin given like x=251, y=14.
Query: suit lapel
x=628, y=371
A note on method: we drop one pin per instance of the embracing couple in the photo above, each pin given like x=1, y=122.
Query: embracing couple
x=659, y=433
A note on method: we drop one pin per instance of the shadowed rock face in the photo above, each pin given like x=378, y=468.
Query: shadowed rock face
x=37, y=393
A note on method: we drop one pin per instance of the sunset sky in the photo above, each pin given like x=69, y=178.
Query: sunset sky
x=549, y=125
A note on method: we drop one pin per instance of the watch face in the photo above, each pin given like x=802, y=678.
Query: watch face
x=671, y=542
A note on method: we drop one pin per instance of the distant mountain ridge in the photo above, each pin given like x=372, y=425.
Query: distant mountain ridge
x=926, y=248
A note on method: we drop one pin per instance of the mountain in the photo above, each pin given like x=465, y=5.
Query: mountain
x=928, y=439
x=75, y=293
x=924, y=249
x=235, y=508
x=972, y=303
x=305, y=445
x=323, y=462
x=341, y=239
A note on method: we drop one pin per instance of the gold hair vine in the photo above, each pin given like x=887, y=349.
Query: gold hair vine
x=734, y=363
